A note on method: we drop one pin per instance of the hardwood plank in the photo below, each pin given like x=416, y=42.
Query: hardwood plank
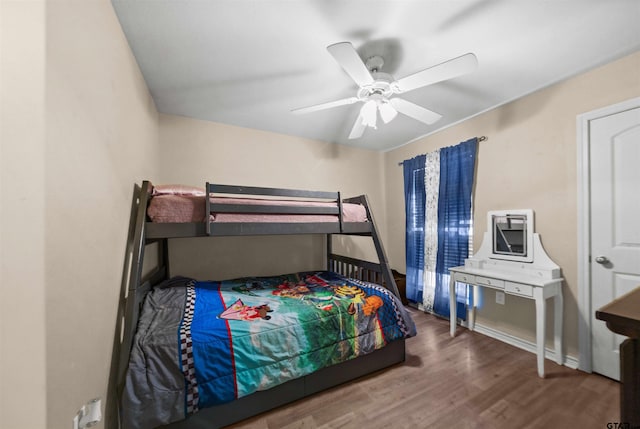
x=470, y=381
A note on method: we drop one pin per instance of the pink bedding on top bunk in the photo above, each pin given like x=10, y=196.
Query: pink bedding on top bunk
x=172, y=208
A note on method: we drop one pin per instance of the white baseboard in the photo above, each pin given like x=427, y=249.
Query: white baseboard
x=569, y=361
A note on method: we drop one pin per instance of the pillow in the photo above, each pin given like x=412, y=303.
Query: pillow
x=178, y=190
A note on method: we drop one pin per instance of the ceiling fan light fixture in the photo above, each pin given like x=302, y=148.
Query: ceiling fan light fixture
x=387, y=111
x=369, y=114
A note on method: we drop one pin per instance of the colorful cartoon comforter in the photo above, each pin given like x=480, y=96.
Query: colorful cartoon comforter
x=205, y=343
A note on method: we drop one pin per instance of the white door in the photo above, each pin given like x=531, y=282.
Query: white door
x=614, y=145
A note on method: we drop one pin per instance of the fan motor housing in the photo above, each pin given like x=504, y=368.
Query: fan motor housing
x=382, y=87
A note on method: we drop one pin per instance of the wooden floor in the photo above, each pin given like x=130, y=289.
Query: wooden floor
x=471, y=381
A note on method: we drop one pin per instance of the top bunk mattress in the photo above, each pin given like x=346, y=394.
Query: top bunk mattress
x=187, y=206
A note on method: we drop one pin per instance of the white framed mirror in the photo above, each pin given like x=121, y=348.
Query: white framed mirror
x=511, y=234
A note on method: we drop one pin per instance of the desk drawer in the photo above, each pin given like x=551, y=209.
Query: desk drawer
x=518, y=289
x=465, y=278
x=487, y=281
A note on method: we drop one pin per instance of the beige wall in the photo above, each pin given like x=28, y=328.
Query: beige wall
x=102, y=136
x=82, y=129
x=22, y=291
x=193, y=152
x=528, y=161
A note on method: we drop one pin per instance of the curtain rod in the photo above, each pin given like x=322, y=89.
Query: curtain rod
x=480, y=139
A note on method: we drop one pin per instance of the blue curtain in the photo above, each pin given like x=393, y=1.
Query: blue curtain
x=414, y=197
x=457, y=168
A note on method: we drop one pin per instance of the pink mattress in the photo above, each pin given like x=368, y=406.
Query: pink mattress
x=191, y=208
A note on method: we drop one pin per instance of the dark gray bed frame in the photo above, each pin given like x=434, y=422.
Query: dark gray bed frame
x=142, y=233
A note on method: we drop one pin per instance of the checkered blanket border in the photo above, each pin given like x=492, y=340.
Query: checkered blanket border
x=186, y=351
x=396, y=311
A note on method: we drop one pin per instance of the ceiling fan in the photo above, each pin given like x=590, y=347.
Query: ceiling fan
x=377, y=89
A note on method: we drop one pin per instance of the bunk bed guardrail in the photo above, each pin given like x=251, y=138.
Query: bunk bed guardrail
x=213, y=228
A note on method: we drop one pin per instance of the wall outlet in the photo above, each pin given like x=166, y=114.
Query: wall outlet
x=500, y=298
x=89, y=415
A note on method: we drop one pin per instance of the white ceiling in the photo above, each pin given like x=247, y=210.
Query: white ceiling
x=249, y=62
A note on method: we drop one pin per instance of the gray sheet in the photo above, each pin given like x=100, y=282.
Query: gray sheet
x=160, y=318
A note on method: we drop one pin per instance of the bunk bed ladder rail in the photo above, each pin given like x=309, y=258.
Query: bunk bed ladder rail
x=134, y=287
x=380, y=272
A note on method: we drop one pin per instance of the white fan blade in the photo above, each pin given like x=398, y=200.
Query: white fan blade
x=346, y=55
x=323, y=106
x=358, y=128
x=414, y=111
x=449, y=69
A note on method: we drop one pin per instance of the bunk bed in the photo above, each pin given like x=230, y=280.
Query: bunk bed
x=346, y=289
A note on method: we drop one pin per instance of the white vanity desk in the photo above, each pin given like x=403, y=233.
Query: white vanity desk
x=537, y=280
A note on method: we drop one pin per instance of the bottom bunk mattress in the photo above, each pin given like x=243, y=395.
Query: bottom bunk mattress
x=204, y=343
